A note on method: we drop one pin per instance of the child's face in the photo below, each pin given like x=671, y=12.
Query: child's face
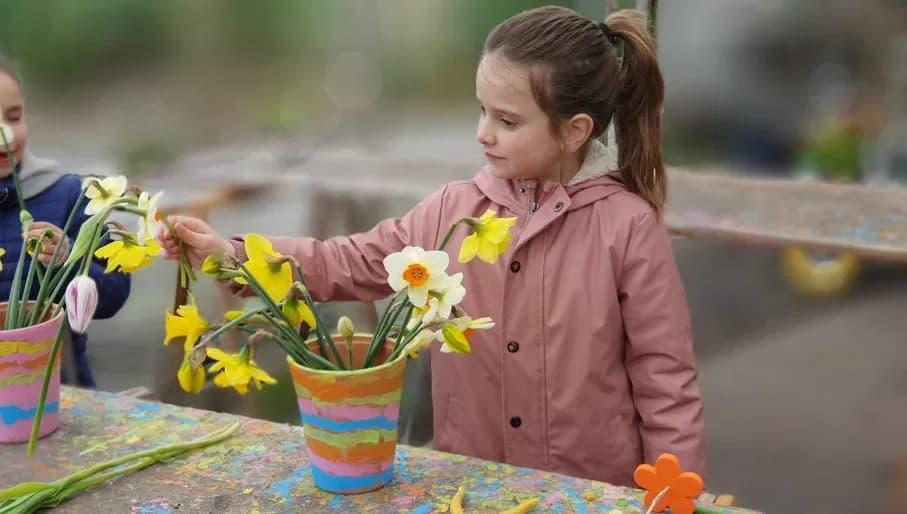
x=12, y=112
x=515, y=133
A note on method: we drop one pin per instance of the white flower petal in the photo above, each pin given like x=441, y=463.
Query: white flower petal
x=418, y=295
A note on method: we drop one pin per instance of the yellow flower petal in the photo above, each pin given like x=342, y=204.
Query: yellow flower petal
x=469, y=248
x=191, y=380
x=454, y=338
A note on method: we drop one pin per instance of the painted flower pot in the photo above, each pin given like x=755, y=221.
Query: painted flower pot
x=24, y=353
x=350, y=419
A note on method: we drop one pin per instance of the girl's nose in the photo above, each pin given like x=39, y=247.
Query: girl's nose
x=484, y=134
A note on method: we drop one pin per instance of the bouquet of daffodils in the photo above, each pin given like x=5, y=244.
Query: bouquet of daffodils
x=65, y=283
x=424, y=308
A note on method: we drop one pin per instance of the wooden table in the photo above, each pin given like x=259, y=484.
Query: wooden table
x=264, y=468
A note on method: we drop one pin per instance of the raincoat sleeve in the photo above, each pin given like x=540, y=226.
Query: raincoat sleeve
x=659, y=353
x=351, y=268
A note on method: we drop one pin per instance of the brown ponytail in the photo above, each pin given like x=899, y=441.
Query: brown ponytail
x=637, y=109
x=575, y=67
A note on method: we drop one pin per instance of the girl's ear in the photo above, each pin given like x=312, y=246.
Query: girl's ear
x=576, y=131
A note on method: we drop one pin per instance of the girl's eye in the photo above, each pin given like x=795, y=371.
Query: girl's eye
x=507, y=123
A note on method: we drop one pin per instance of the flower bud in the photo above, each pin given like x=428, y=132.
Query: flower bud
x=81, y=301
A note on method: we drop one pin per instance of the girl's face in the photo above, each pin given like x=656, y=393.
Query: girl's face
x=515, y=134
x=12, y=113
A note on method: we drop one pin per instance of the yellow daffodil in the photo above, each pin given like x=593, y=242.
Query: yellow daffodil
x=296, y=311
x=191, y=379
x=457, y=333
x=275, y=277
x=2, y=253
x=185, y=323
x=417, y=271
x=103, y=193
x=127, y=256
x=490, y=239
x=151, y=217
x=237, y=370
x=212, y=265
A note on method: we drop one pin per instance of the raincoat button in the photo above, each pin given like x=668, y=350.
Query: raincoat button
x=513, y=347
x=558, y=206
x=522, y=190
x=515, y=422
x=515, y=266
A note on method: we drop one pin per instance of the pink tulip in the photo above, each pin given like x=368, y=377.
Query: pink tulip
x=81, y=302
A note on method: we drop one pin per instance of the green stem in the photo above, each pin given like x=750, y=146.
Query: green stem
x=386, y=318
x=22, y=315
x=52, y=266
x=449, y=234
x=349, y=351
x=320, y=329
x=48, y=371
x=232, y=324
x=12, y=171
x=381, y=337
x=304, y=354
x=70, y=483
x=12, y=311
x=398, y=348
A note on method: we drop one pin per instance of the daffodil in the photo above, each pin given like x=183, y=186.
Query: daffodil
x=296, y=311
x=237, y=370
x=267, y=267
x=450, y=293
x=191, y=378
x=490, y=239
x=212, y=264
x=185, y=323
x=454, y=339
x=457, y=332
x=128, y=256
x=421, y=342
x=416, y=270
x=103, y=193
x=150, y=218
x=2, y=253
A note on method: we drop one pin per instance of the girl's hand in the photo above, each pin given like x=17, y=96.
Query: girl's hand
x=49, y=243
x=198, y=238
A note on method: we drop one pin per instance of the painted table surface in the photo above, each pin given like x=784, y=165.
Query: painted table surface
x=264, y=468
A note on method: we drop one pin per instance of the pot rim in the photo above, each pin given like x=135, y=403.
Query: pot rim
x=347, y=372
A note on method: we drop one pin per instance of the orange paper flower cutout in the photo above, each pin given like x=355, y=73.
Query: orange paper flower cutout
x=665, y=474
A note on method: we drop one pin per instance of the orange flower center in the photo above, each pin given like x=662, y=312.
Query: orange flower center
x=415, y=275
x=468, y=333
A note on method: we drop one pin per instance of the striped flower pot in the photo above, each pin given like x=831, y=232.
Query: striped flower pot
x=350, y=419
x=24, y=353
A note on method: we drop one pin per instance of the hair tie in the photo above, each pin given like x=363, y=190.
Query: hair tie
x=608, y=35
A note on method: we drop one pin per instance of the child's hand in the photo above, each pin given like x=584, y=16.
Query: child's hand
x=198, y=238
x=49, y=244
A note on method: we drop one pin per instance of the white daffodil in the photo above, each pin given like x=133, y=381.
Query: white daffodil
x=457, y=332
x=416, y=270
x=103, y=193
x=151, y=217
x=443, y=299
x=421, y=342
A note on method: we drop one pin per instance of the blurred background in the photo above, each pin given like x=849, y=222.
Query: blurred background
x=804, y=387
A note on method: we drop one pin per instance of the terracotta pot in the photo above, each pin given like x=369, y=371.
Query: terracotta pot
x=350, y=418
x=24, y=353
